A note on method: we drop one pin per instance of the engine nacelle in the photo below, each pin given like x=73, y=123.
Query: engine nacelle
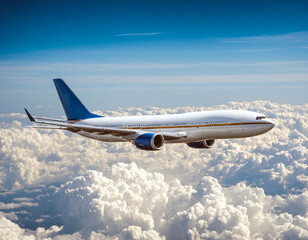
x=202, y=144
x=150, y=141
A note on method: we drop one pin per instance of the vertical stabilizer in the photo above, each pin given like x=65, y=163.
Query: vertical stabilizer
x=73, y=107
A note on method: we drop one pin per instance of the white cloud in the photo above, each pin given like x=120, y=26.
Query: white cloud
x=10, y=230
x=16, y=205
x=42, y=156
x=247, y=188
x=4, y=116
x=127, y=197
x=128, y=200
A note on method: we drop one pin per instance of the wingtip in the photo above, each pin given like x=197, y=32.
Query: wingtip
x=29, y=116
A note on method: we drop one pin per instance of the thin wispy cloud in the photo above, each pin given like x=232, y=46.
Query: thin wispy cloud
x=140, y=34
x=106, y=67
x=139, y=75
x=256, y=50
x=295, y=37
x=159, y=81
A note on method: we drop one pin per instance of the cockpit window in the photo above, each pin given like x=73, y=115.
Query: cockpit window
x=260, y=117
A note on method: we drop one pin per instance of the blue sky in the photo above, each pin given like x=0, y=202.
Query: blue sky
x=159, y=53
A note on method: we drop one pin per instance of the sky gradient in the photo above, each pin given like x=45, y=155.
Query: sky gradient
x=140, y=53
x=146, y=58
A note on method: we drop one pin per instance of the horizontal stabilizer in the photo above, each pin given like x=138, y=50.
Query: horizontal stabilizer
x=34, y=119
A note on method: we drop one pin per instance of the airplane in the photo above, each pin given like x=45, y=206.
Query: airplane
x=198, y=130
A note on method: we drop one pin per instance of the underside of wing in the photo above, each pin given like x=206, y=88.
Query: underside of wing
x=49, y=123
x=90, y=128
x=48, y=127
x=99, y=130
x=102, y=131
x=173, y=135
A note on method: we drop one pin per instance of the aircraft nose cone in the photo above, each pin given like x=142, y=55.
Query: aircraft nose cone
x=271, y=124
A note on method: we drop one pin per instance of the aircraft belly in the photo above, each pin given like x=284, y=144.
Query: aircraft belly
x=104, y=138
x=193, y=134
x=240, y=131
x=220, y=132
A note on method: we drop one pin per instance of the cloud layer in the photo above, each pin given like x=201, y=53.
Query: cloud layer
x=126, y=196
x=254, y=188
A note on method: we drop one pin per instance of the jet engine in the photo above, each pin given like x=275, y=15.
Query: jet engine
x=150, y=141
x=202, y=144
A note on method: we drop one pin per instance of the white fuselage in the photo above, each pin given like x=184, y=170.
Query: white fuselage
x=198, y=125
x=197, y=129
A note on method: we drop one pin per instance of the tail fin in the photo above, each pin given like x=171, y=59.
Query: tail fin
x=73, y=107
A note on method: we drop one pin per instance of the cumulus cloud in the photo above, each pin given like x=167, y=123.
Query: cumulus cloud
x=254, y=188
x=10, y=230
x=137, y=199
x=128, y=201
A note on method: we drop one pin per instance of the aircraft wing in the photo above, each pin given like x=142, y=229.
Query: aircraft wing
x=73, y=127
x=48, y=127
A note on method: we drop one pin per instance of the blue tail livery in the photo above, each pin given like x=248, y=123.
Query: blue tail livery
x=73, y=107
